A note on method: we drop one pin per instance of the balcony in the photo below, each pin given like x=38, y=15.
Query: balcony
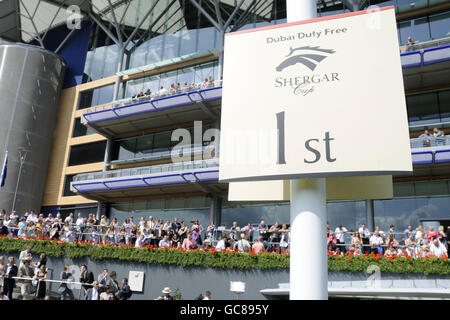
x=427, y=67
x=165, y=155
x=157, y=110
x=158, y=180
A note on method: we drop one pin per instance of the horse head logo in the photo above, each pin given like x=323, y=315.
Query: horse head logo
x=310, y=60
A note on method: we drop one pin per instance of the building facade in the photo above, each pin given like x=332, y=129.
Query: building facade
x=117, y=127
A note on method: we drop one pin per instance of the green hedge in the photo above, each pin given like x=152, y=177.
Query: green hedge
x=217, y=259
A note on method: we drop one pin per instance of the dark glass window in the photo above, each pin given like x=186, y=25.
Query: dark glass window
x=423, y=107
x=142, y=146
x=440, y=25
x=87, y=153
x=67, y=192
x=444, y=104
x=429, y=107
x=95, y=97
x=80, y=129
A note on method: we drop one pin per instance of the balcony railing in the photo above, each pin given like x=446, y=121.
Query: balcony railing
x=155, y=95
x=425, y=44
x=205, y=151
x=430, y=142
x=148, y=170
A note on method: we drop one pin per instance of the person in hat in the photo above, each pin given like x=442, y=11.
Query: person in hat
x=166, y=294
x=206, y=244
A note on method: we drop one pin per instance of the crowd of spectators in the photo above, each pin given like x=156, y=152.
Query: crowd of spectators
x=192, y=235
x=146, y=232
x=417, y=242
x=175, y=89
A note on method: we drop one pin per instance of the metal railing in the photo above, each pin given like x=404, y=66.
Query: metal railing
x=167, y=154
x=155, y=95
x=163, y=168
x=50, y=281
x=430, y=142
x=418, y=45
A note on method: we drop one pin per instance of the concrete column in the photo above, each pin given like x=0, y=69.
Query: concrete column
x=370, y=217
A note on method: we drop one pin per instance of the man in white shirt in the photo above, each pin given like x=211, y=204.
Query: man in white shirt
x=25, y=256
x=150, y=223
x=69, y=219
x=375, y=241
x=207, y=295
x=14, y=216
x=49, y=218
x=79, y=219
x=164, y=242
x=140, y=241
x=32, y=217
x=339, y=233
x=221, y=244
x=437, y=248
x=162, y=91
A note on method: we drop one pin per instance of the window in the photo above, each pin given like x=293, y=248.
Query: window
x=444, y=104
x=87, y=153
x=429, y=107
x=66, y=191
x=423, y=107
x=142, y=146
x=80, y=129
x=95, y=97
x=440, y=25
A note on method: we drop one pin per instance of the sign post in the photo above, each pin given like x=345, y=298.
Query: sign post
x=308, y=250
x=287, y=114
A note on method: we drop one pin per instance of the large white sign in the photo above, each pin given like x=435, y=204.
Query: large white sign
x=321, y=98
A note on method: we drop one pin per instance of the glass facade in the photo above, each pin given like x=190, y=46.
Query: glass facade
x=428, y=107
x=424, y=28
x=173, y=29
x=399, y=211
x=95, y=97
x=148, y=144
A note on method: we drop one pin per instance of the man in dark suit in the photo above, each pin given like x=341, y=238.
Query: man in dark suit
x=8, y=282
x=86, y=277
x=125, y=293
x=113, y=284
x=3, y=229
x=93, y=293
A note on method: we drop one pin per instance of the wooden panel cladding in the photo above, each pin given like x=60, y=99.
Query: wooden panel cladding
x=86, y=139
x=91, y=167
x=58, y=155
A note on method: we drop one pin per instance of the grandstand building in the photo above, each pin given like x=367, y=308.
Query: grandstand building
x=84, y=134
